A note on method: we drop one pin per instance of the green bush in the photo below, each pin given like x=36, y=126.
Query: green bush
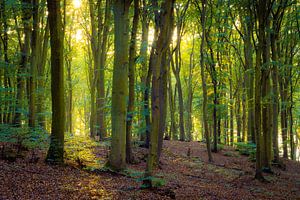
x=25, y=137
x=155, y=181
x=247, y=149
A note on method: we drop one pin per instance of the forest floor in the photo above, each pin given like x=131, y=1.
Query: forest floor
x=230, y=176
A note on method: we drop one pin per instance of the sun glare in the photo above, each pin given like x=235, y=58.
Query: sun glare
x=78, y=35
x=76, y=3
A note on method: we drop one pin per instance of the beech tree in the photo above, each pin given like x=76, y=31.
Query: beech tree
x=117, y=157
x=55, y=153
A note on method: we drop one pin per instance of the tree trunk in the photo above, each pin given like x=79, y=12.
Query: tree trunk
x=231, y=107
x=176, y=72
x=41, y=78
x=265, y=95
x=163, y=26
x=238, y=115
x=35, y=40
x=189, y=123
x=25, y=48
x=100, y=102
x=275, y=99
x=55, y=153
x=173, y=130
x=117, y=157
x=204, y=89
x=143, y=59
x=131, y=76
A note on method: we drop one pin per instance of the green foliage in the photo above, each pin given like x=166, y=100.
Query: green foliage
x=133, y=173
x=247, y=149
x=220, y=147
x=30, y=138
x=155, y=182
x=229, y=154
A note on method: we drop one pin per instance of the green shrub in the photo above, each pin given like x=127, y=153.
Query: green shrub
x=247, y=149
x=24, y=137
x=155, y=181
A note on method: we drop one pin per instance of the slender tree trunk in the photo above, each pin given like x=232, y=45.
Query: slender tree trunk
x=249, y=76
x=231, y=107
x=35, y=39
x=146, y=107
x=204, y=89
x=101, y=87
x=143, y=59
x=41, y=78
x=189, y=124
x=176, y=72
x=173, y=130
x=266, y=108
x=163, y=90
x=238, y=116
x=244, y=115
x=131, y=76
x=275, y=99
x=7, y=108
x=95, y=47
x=25, y=48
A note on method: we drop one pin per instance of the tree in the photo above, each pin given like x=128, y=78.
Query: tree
x=131, y=76
x=120, y=85
x=163, y=28
x=55, y=153
x=202, y=10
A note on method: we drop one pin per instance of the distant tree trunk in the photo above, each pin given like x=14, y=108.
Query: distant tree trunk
x=257, y=124
x=231, y=107
x=275, y=98
x=249, y=75
x=266, y=89
x=163, y=90
x=173, y=130
x=131, y=76
x=117, y=157
x=213, y=74
x=146, y=107
x=93, y=71
x=176, y=72
x=100, y=101
x=55, y=153
x=96, y=86
x=41, y=78
x=69, y=107
x=292, y=139
x=244, y=115
x=68, y=65
x=35, y=39
x=189, y=123
x=7, y=110
x=204, y=89
x=25, y=48
x=143, y=60
x=180, y=16
x=238, y=115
